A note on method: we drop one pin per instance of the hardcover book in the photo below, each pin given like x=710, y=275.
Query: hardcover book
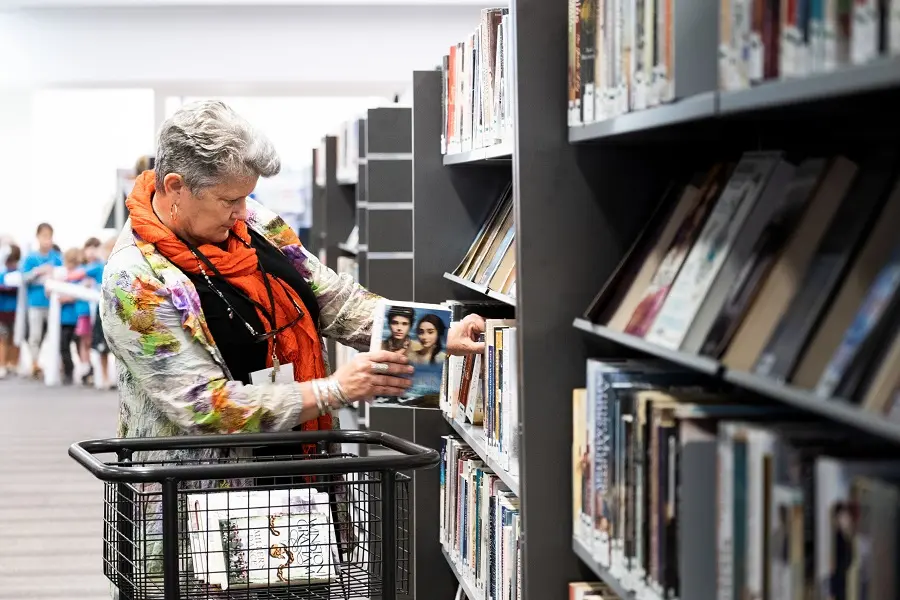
x=278, y=550
x=827, y=268
x=709, y=253
x=419, y=331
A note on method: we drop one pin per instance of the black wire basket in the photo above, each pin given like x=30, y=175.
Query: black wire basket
x=248, y=524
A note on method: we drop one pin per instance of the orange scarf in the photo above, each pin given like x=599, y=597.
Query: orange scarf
x=299, y=345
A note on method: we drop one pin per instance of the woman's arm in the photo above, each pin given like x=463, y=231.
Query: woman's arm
x=346, y=308
x=179, y=376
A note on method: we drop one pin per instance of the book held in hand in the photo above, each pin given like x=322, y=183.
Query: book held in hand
x=418, y=331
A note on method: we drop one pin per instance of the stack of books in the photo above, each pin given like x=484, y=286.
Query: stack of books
x=267, y=538
x=790, y=514
x=491, y=259
x=787, y=268
x=764, y=40
x=477, y=112
x=480, y=525
x=621, y=57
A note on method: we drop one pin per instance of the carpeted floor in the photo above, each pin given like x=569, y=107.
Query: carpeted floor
x=50, y=507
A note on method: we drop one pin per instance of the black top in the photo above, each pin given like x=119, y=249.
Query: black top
x=242, y=354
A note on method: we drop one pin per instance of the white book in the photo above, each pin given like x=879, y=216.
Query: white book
x=893, y=27
x=278, y=550
x=725, y=529
x=711, y=249
x=864, y=33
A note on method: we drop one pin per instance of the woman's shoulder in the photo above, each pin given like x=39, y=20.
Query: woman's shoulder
x=126, y=261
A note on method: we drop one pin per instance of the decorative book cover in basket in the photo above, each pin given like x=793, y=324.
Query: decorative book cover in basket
x=419, y=331
x=278, y=550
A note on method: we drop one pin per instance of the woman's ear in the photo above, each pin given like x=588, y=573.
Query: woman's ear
x=173, y=184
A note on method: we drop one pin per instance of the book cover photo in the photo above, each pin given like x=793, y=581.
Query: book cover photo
x=419, y=331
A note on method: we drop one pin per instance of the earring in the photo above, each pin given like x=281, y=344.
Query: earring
x=173, y=213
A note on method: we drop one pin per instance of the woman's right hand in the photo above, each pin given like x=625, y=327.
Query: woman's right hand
x=360, y=379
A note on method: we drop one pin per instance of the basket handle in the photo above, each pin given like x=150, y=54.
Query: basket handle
x=412, y=456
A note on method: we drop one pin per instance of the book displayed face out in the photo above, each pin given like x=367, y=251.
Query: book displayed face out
x=418, y=332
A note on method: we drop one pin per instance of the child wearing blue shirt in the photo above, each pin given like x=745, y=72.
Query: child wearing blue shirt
x=9, y=353
x=84, y=327
x=69, y=315
x=36, y=268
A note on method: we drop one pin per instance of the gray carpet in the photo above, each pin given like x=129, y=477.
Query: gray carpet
x=50, y=508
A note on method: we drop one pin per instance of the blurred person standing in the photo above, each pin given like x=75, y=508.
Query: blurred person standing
x=68, y=314
x=9, y=352
x=36, y=268
x=98, y=340
x=84, y=325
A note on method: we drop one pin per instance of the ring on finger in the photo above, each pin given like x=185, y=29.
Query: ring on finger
x=380, y=367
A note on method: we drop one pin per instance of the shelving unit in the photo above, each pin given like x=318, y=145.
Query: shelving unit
x=581, y=196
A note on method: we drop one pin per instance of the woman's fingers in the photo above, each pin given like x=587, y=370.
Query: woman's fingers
x=394, y=382
x=383, y=356
x=389, y=391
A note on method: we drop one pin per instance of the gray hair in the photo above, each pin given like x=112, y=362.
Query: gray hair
x=207, y=141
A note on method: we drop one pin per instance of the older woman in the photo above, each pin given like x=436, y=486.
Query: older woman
x=214, y=309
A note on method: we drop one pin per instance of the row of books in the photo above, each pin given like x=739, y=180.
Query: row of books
x=491, y=259
x=476, y=99
x=480, y=524
x=761, y=40
x=621, y=57
x=787, y=268
x=268, y=538
x=483, y=390
x=682, y=491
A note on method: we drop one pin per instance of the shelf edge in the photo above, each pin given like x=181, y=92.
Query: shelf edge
x=601, y=572
x=835, y=409
x=511, y=481
x=470, y=593
x=701, y=364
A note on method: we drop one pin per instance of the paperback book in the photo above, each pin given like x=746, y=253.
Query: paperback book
x=419, y=331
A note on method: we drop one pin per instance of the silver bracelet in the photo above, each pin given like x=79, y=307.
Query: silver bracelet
x=321, y=403
x=338, y=392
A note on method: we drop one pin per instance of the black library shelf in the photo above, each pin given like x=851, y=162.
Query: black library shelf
x=882, y=74
x=725, y=290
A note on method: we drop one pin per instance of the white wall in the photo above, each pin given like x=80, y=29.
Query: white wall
x=324, y=50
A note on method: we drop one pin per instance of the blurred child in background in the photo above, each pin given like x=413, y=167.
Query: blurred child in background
x=37, y=266
x=84, y=325
x=9, y=353
x=68, y=314
x=98, y=340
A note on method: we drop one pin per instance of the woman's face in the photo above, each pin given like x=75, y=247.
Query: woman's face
x=428, y=334
x=207, y=216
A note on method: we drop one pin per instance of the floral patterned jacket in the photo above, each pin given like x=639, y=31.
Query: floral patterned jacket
x=172, y=378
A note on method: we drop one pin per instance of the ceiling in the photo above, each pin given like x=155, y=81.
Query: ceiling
x=76, y=4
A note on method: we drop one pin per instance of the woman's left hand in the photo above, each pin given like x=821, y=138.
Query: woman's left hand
x=462, y=339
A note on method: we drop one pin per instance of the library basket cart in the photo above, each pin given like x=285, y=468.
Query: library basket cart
x=259, y=516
